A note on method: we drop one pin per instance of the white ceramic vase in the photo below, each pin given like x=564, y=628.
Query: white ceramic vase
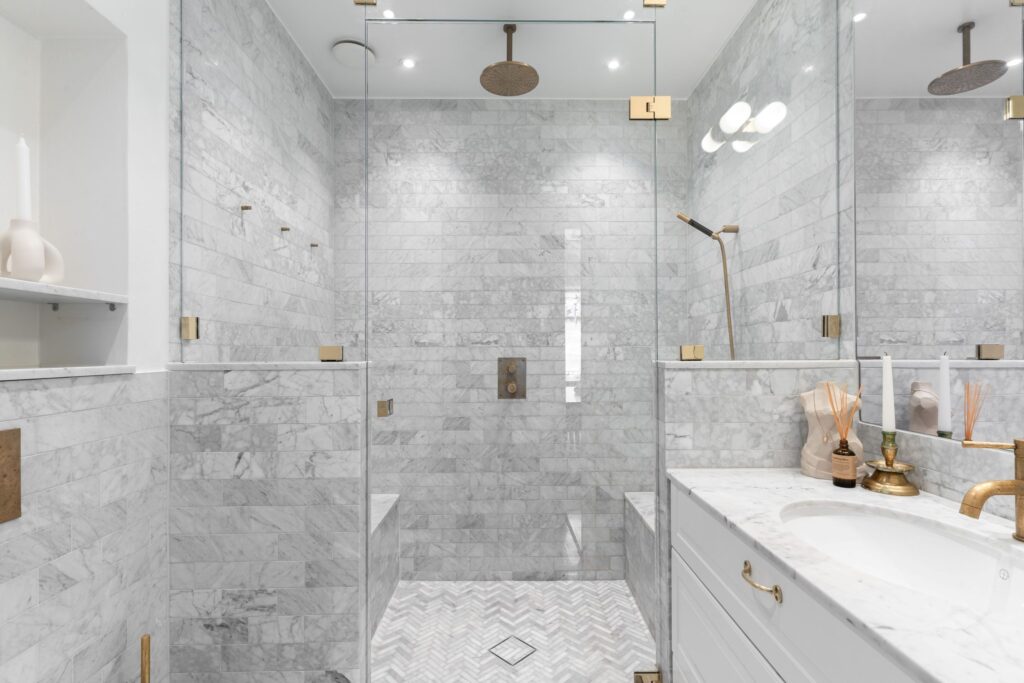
x=25, y=255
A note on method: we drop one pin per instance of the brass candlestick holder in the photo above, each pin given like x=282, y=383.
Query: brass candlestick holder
x=890, y=477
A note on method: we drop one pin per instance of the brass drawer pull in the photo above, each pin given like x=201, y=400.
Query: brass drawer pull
x=775, y=590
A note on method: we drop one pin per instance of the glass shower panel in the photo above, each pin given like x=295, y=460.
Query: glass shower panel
x=507, y=233
x=753, y=144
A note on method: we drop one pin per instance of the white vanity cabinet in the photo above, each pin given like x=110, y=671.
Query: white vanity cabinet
x=726, y=630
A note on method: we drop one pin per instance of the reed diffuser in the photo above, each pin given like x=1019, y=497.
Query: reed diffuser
x=974, y=399
x=844, y=460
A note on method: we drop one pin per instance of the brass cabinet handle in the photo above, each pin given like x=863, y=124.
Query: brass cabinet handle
x=775, y=590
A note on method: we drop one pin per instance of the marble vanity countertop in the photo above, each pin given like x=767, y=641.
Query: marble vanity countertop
x=933, y=640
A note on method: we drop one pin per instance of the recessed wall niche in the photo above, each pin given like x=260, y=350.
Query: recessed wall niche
x=63, y=79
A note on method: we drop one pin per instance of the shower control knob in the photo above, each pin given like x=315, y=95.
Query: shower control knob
x=512, y=388
x=511, y=369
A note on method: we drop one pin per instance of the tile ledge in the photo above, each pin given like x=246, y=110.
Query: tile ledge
x=755, y=364
x=289, y=365
x=965, y=363
x=22, y=374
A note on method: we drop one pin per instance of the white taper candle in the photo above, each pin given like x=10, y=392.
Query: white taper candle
x=888, y=398
x=945, y=405
x=24, y=206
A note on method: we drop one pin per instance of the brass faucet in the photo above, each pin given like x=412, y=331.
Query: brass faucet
x=975, y=499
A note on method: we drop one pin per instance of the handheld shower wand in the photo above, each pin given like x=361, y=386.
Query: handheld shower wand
x=717, y=236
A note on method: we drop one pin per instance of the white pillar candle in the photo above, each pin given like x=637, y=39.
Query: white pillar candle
x=888, y=398
x=945, y=407
x=24, y=206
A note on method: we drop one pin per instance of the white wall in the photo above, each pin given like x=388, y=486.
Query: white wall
x=20, y=58
x=146, y=25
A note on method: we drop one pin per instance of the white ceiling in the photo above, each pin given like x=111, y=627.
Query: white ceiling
x=902, y=46
x=570, y=57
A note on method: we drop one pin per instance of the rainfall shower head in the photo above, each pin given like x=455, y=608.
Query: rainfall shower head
x=509, y=78
x=970, y=76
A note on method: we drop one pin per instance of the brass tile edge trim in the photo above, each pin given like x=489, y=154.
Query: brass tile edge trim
x=10, y=475
x=144, y=664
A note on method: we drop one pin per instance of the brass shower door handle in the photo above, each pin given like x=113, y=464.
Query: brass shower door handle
x=775, y=590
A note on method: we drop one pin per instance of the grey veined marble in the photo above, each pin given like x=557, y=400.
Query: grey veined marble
x=265, y=523
x=83, y=572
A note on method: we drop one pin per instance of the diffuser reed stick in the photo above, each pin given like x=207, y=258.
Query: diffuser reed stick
x=974, y=399
x=843, y=409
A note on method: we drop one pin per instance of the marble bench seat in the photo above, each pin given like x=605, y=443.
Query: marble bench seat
x=384, y=552
x=641, y=554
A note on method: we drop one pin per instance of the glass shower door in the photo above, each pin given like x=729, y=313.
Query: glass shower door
x=510, y=254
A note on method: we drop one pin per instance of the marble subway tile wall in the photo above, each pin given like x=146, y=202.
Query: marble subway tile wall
x=265, y=520
x=489, y=221
x=739, y=415
x=674, y=325
x=783, y=193
x=939, y=228
x=83, y=572
x=257, y=130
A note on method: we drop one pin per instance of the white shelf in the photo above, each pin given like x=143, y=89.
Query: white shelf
x=42, y=293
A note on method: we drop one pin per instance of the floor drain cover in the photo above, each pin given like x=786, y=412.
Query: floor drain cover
x=512, y=650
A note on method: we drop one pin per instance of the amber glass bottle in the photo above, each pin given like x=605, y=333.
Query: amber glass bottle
x=844, y=466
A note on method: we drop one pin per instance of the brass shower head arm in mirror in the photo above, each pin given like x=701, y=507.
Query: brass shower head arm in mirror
x=717, y=236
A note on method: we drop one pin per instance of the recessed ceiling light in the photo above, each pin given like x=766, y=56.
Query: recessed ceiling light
x=629, y=15
x=389, y=14
x=859, y=17
x=409, y=63
x=1015, y=62
x=614, y=65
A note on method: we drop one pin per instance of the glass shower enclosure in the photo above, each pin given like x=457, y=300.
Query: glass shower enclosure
x=510, y=255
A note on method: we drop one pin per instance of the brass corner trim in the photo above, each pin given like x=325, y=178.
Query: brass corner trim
x=691, y=352
x=990, y=352
x=189, y=328
x=332, y=354
x=1014, y=109
x=831, y=326
x=650, y=108
x=10, y=475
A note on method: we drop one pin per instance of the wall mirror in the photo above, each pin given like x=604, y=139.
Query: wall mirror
x=939, y=218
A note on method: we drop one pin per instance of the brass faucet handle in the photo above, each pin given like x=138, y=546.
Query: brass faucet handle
x=995, y=445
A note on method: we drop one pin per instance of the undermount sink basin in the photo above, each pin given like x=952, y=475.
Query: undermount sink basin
x=919, y=554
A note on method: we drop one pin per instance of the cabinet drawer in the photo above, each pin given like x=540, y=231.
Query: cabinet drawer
x=803, y=641
x=707, y=646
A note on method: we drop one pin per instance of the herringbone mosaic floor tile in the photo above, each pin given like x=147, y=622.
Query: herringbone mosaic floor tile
x=442, y=631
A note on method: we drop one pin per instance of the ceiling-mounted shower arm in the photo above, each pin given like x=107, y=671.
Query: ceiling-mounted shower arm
x=509, y=30
x=965, y=30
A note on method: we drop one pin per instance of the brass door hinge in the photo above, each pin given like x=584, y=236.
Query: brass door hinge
x=1016, y=3
x=647, y=677
x=332, y=354
x=386, y=408
x=831, y=326
x=366, y=2
x=691, y=352
x=650, y=108
x=655, y=3
x=189, y=328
